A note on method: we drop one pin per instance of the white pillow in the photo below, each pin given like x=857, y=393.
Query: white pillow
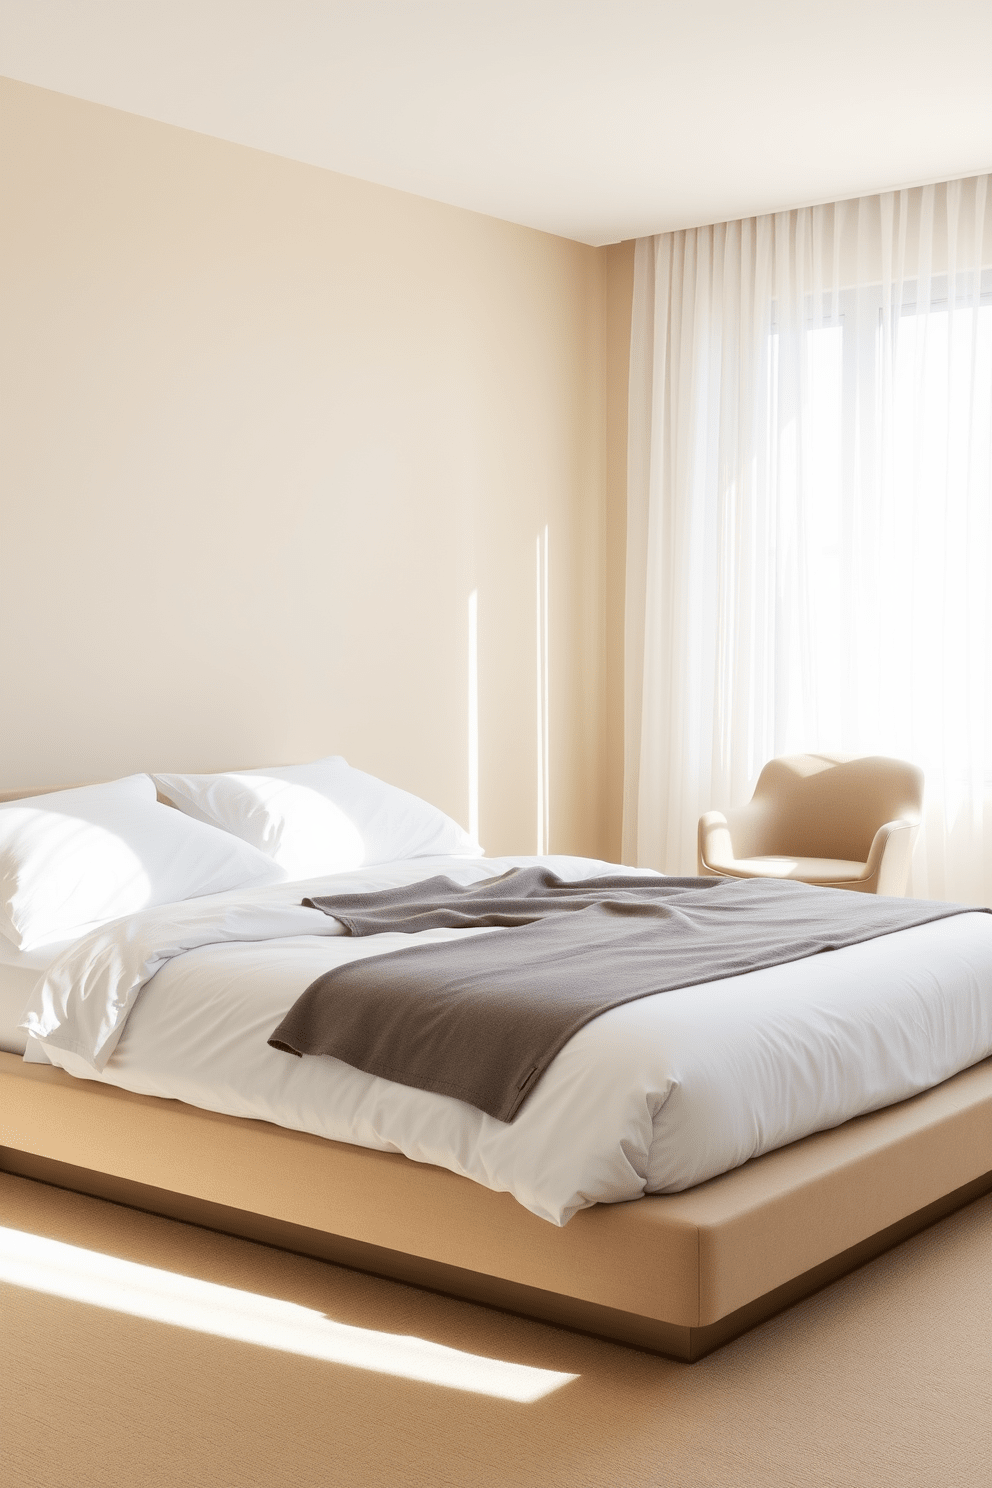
x=77, y=858
x=320, y=818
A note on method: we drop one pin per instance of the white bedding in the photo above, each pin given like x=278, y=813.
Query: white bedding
x=19, y=974
x=654, y=1096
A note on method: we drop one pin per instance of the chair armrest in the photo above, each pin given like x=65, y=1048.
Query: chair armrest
x=890, y=856
x=714, y=847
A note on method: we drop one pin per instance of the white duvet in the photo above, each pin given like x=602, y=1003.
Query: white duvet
x=655, y=1096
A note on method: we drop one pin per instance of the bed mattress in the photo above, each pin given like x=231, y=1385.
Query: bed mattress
x=652, y=1097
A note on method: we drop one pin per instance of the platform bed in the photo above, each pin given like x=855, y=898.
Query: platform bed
x=679, y=1274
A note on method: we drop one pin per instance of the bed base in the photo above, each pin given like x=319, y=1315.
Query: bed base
x=679, y=1274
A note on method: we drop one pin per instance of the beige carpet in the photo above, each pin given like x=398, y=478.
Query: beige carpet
x=883, y=1379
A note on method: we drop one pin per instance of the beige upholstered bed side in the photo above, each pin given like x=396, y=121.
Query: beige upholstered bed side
x=26, y=792
x=680, y=1273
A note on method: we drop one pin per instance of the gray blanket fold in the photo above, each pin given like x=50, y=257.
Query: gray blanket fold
x=480, y=1018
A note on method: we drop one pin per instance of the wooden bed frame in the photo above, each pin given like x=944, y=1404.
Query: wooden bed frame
x=680, y=1274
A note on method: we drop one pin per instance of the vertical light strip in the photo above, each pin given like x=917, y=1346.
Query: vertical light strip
x=543, y=709
x=473, y=715
x=547, y=703
x=539, y=672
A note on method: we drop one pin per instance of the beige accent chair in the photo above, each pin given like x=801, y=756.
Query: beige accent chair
x=823, y=818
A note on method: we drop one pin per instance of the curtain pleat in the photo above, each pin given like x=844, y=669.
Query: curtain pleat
x=809, y=560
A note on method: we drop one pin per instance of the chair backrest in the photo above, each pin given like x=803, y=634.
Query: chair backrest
x=825, y=805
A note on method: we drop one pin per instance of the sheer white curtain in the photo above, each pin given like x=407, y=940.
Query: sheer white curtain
x=809, y=560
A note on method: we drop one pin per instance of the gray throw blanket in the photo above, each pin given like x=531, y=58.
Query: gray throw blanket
x=480, y=1018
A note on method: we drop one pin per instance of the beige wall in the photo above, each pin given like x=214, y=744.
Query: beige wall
x=264, y=431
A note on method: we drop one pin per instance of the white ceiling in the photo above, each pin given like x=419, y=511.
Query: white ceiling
x=595, y=119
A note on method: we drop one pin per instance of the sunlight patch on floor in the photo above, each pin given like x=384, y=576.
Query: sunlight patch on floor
x=80, y=1275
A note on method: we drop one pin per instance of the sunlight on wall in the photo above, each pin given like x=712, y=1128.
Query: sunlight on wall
x=543, y=696
x=61, y=1270
x=473, y=715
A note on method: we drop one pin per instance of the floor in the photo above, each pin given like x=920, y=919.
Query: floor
x=278, y=1370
